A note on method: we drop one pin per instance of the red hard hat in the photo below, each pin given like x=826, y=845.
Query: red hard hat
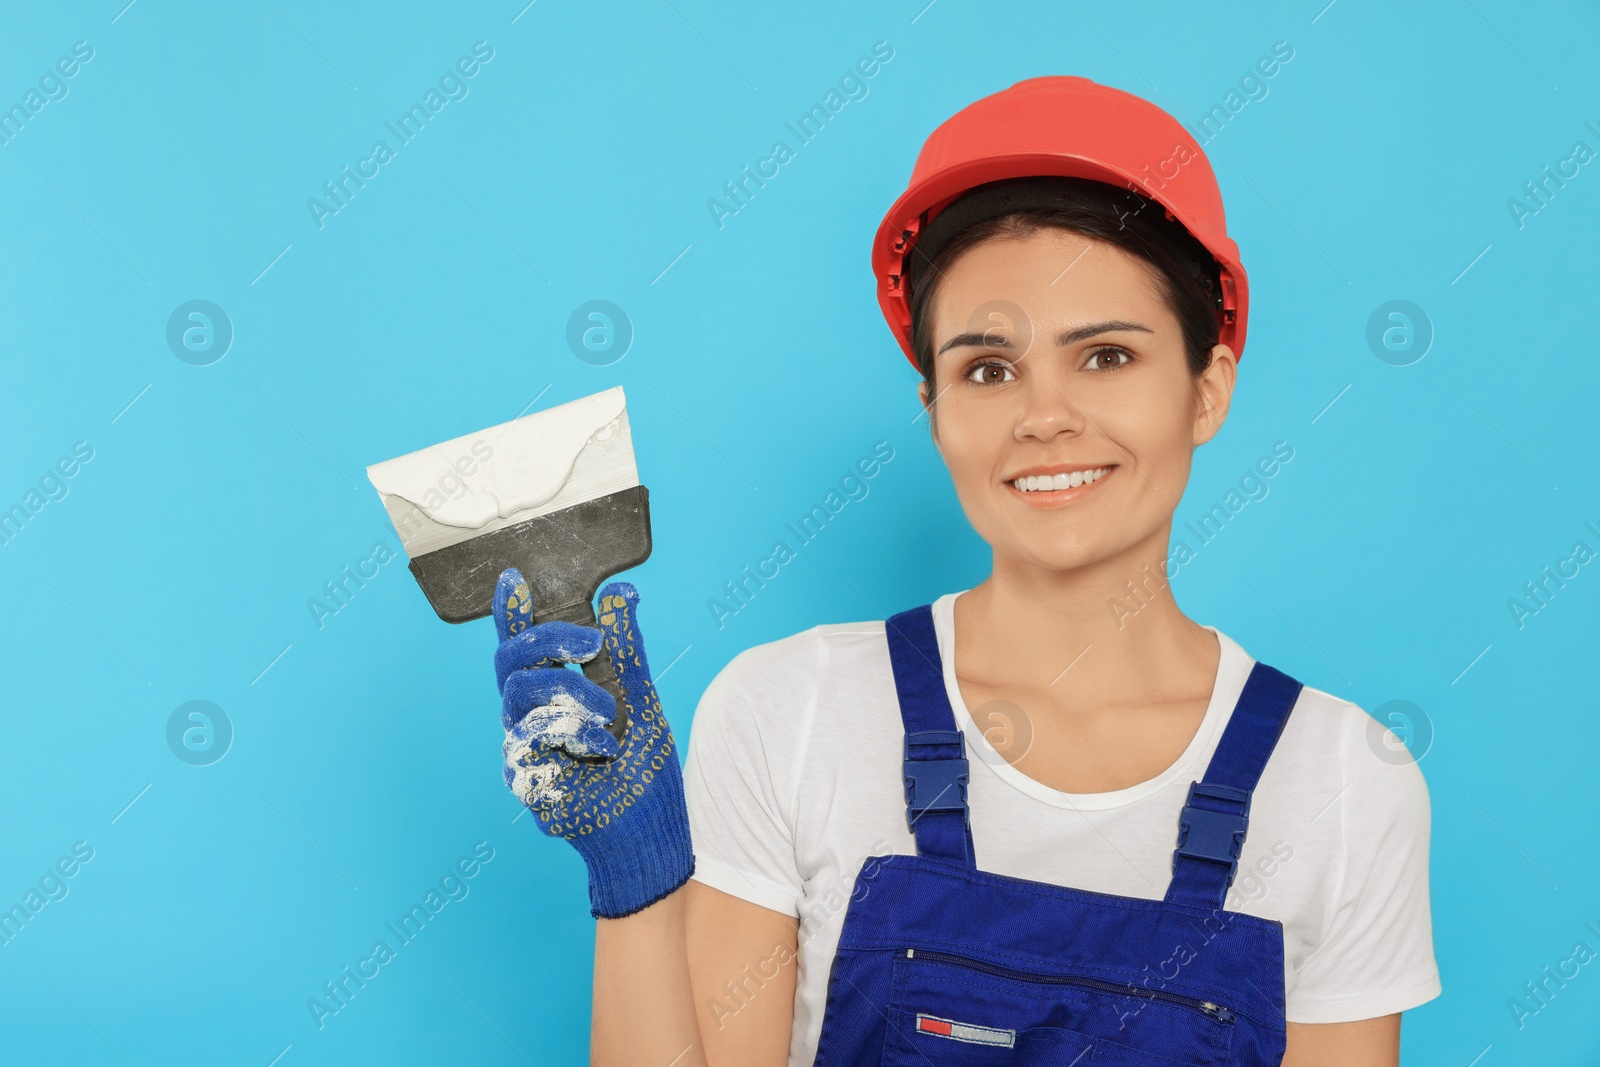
x=1068, y=127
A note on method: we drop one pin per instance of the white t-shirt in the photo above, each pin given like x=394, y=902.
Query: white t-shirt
x=793, y=780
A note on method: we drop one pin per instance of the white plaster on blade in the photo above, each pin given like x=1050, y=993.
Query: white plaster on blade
x=530, y=461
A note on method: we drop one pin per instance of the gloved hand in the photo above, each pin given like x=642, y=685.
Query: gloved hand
x=626, y=815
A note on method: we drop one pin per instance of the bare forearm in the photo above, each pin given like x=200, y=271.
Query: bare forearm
x=1367, y=1043
x=643, y=1013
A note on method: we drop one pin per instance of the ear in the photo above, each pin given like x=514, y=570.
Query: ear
x=1214, y=393
x=933, y=425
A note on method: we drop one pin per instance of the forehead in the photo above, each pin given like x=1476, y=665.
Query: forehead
x=1051, y=277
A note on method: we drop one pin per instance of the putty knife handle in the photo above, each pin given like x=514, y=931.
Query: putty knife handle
x=599, y=669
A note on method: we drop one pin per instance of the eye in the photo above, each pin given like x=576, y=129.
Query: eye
x=983, y=365
x=1096, y=357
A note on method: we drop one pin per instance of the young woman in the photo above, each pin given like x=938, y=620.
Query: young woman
x=1050, y=818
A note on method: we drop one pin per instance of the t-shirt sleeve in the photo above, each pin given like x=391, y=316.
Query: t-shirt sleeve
x=1377, y=955
x=746, y=750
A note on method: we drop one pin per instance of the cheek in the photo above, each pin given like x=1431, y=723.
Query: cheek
x=972, y=437
x=1153, y=425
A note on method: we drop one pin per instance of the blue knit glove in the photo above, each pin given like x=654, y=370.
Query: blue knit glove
x=626, y=815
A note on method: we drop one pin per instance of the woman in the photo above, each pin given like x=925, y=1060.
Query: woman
x=1161, y=852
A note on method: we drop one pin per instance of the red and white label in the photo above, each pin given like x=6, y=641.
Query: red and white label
x=968, y=1032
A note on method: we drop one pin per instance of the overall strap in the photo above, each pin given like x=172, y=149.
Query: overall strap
x=1212, y=826
x=935, y=765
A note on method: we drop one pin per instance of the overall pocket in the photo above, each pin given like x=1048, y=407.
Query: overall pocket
x=952, y=1008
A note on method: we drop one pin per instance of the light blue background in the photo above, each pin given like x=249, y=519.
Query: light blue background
x=366, y=759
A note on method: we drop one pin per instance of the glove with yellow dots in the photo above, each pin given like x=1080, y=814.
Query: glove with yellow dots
x=624, y=811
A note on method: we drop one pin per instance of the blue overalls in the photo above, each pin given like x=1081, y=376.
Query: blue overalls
x=942, y=963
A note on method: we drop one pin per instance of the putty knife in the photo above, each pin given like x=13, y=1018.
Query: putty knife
x=555, y=494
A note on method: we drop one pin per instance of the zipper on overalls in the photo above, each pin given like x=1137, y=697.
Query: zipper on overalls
x=1209, y=1008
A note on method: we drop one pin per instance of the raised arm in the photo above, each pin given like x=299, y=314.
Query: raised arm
x=643, y=1010
x=684, y=975
x=700, y=977
x=742, y=962
x=1367, y=1043
x=621, y=806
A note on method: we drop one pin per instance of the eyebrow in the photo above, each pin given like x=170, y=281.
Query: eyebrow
x=982, y=340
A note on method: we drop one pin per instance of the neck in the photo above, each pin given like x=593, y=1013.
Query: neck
x=1111, y=628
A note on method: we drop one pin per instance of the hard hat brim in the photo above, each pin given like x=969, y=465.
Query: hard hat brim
x=922, y=202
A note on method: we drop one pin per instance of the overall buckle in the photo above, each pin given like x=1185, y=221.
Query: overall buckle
x=937, y=784
x=1217, y=836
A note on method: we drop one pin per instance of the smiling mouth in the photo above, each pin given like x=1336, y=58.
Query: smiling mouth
x=1045, y=490
x=1045, y=483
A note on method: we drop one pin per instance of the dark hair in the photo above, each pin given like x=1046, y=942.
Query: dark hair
x=1187, y=273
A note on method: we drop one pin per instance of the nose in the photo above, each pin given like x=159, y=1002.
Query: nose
x=1047, y=410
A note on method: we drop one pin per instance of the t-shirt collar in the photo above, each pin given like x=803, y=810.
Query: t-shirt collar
x=1233, y=667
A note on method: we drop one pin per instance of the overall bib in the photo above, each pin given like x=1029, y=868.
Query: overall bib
x=942, y=963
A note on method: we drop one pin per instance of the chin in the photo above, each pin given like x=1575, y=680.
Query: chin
x=1066, y=547
x=1056, y=554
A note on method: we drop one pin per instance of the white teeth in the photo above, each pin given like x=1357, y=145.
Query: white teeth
x=1034, y=483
